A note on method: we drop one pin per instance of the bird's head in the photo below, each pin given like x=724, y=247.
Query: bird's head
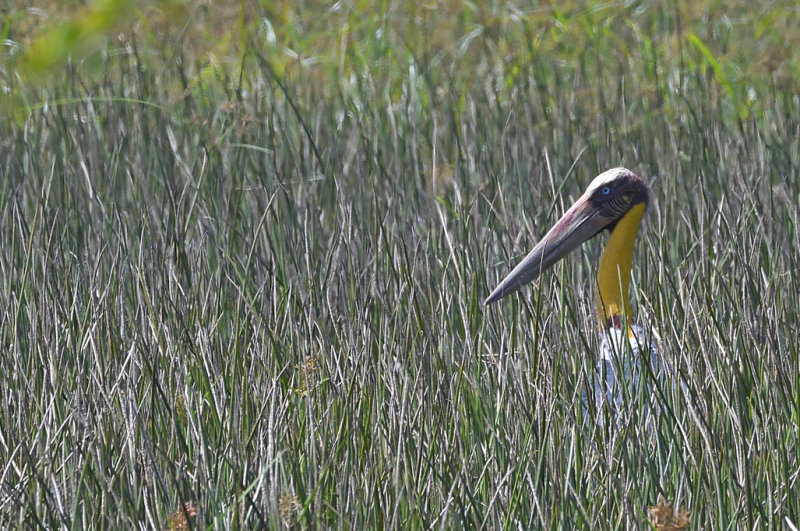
x=610, y=196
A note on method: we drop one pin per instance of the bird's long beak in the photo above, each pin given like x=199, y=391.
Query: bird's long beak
x=582, y=221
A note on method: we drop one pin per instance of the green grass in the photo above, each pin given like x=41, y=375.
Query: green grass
x=254, y=283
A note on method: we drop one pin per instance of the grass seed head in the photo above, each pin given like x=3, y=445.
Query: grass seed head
x=664, y=517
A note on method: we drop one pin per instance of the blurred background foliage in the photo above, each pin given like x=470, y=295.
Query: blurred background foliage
x=746, y=48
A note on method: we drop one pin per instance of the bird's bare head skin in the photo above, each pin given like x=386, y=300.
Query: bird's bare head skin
x=607, y=199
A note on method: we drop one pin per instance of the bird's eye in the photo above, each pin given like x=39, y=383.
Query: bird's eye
x=605, y=190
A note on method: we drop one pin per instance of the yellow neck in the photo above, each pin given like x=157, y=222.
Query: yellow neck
x=614, y=272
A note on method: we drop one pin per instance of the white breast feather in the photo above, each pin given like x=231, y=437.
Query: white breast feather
x=626, y=363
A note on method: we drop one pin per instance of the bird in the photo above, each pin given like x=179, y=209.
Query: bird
x=615, y=201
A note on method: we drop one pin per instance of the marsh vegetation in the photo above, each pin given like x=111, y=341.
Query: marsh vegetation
x=243, y=251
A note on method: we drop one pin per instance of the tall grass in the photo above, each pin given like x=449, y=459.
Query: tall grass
x=252, y=296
